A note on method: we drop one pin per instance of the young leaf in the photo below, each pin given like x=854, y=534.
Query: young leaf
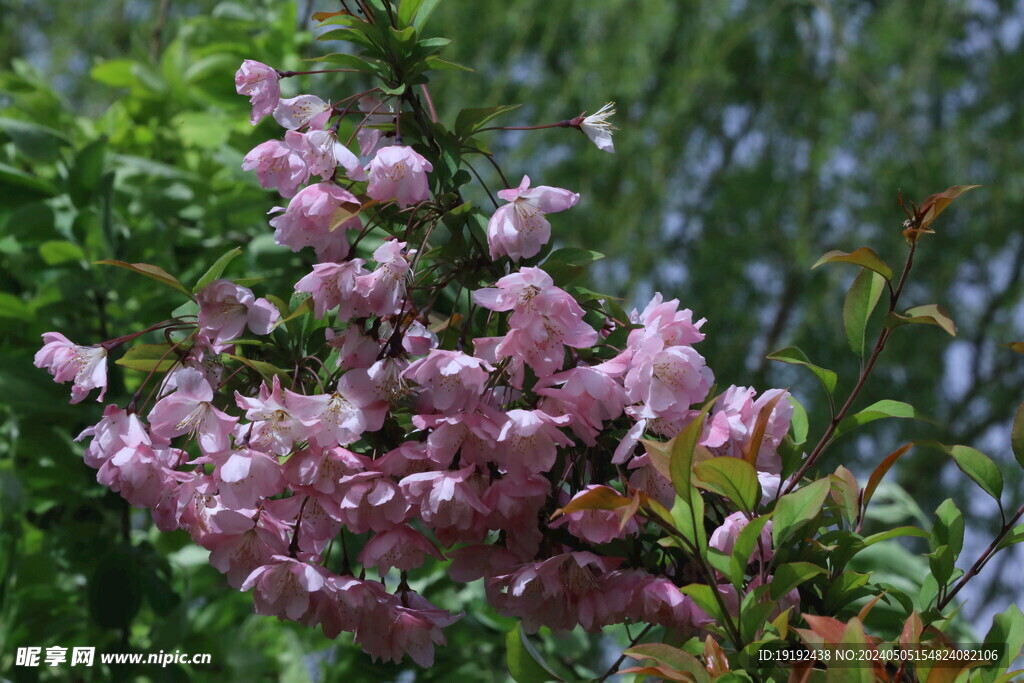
x=864, y=257
x=799, y=424
x=795, y=356
x=930, y=314
x=150, y=271
x=860, y=302
x=670, y=658
x=524, y=663
x=845, y=492
x=876, y=476
x=797, y=508
x=598, y=498
x=217, y=269
x=937, y=203
x=732, y=478
x=753, y=447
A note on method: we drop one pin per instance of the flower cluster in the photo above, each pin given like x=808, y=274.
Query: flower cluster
x=406, y=439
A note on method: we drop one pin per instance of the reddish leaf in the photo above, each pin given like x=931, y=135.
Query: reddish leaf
x=883, y=467
x=830, y=629
x=715, y=660
x=911, y=634
x=930, y=208
x=800, y=672
x=844, y=492
x=153, y=272
x=659, y=672
x=754, y=445
x=865, y=257
x=866, y=609
x=599, y=498
x=321, y=16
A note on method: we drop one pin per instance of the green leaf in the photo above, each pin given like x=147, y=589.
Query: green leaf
x=1017, y=435
x=1016, y=535
x=683, y=445
x=13, y=307
x=746, y=543
x=21, y=188
x=864, y=257
x=845, y=493
x=948, y=529
x=930, y=314
x=33, y=141
x=877, y=411
x=1007, y=630
x=151, y=357
x=524, y=663
x=688, y=518
x=895, y=532
x=438, y=64
x=217, y=269
x=704, y=596
x=55, y=252
x=732, y=478
x=796, y=509
x=799, y=424
x=348, y=61
x=423, y=13
x=860, y=302
x=795, y=356
x=565, y=265
x=976, y=465
x=788, y=576
x=469, y=121
x=153, y=272
x=670, y=658
x=266, y=370
x=86, y=172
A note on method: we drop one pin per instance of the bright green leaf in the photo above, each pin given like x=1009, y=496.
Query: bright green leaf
x=796, y=509
x=795, y=356
x=860, y=302
x=788, y=576
x=217, y=269
x=524, y=663
x=864, y=257
x=732, y=478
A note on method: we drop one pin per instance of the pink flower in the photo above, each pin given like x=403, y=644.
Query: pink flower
x=85, y=366
x=355, y=349
x=377, y=114
x=189, y=410
x=452, y=381
x=518, y=229
x=734, y=418
x=279, y=165
x=448, y=502
x=248, y=476
x=668, y=381
x=401, y=547
x=116, y=430
x=395, y=630
x=140, y=471
x=261, y=83
x=664, y=321
x=341, y=417
x=399, y=173
x=531, y=438
x=418, y=339
x=243, y=545
x=226, y=309
x=384, y=289
x=368, y=501
x=324, y=152
x=545, y=318
x=336, y=285
x=283, y=586
x=318, y=216
x=724, y=537
x=319, y=471
x=588, y=394
x=299, y=111
x=274, y=425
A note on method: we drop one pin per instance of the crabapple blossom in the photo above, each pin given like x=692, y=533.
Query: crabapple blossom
x=367, y=500
x=724, y=537
x=247, y=476
x=85, y=366
x=518, y=229
x=226, y=309
x=262, y=84
x=116, y=430
x=340, y=418
x=398, y=173
x=324, y=153
x=401, y=547
x=279, y=165
x=598, y=129
x=297, y=112
x=531, y=439
x=384, y=289
x=336, y=285
x=274, y=424
x=596, y=526
x=318, y=216
x=452, y=381
x=189, y=410
x=355, y=349
x=283, y=586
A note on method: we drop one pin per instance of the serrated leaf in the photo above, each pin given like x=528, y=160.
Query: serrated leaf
x=153, y=272
x=732, y=478
x=930, y=314
x=864, y=257
x=217, y=269
x=795, y=509
x=794, y=356
x=860, y=302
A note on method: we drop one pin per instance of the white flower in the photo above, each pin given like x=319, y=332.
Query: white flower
x=598, y=129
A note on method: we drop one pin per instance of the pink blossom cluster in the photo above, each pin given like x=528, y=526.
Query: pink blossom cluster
x=407, y=449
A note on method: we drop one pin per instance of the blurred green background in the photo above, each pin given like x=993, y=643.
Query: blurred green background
x=753, y=137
